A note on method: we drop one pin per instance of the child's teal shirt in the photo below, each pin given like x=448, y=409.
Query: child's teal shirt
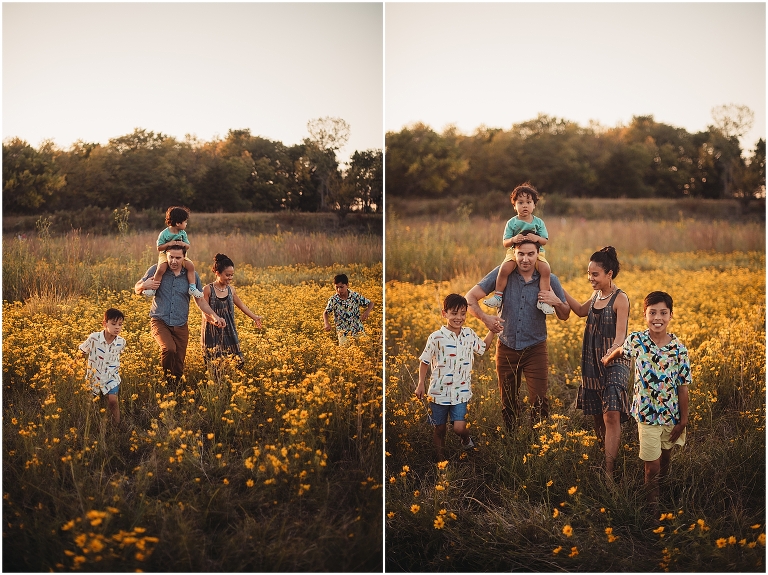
x=516, y=226
x=168, y=236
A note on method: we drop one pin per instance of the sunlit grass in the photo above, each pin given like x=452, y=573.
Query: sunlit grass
x=276, y=468
x=535, y=499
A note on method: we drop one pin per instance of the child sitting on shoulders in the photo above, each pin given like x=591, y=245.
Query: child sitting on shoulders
x=523, y=226
x=660, y=399
x=102, y=349
x=450, y=353
x=176, y=218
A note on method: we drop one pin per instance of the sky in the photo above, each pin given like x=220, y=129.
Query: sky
x=504, y=63
x=95, y=71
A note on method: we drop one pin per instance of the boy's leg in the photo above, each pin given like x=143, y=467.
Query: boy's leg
x=652, y=483
x=161, y=269
x=666, y=456
x=438, y=437
x=114, y=407
x=600, y=429
x=506, y=268
x=191, y=279
x=545, y=272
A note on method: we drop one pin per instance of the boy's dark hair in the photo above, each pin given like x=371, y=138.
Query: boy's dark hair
x=526, y=188
x=176, y=215
x=657, y=297
x=221, y=262
x=608, y=260
x=340, y=279
x=454, y=302
x=113, y=314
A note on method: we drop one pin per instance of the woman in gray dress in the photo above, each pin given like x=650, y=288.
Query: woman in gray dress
x=603, y=389
x=222, y=298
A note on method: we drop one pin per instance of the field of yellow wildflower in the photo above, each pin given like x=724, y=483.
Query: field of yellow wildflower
x=535, y=500
x=276, y=468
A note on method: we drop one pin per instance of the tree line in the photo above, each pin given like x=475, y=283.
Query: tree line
x=149, y=170
x=644, y=159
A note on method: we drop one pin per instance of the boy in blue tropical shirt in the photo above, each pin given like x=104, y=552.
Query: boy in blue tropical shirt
x=660, y=399
x=345, y=305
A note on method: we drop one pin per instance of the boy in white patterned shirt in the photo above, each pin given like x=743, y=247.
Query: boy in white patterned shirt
x=102, y=350
x=450, y=353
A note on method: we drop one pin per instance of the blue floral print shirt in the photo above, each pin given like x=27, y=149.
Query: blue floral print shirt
x=346, y=312
x=659, y=372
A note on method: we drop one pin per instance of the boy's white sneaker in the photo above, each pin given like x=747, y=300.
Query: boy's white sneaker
x=469, y=444
x=148, y=292
x=493, y=301
x=195, y=292
x=545, y=307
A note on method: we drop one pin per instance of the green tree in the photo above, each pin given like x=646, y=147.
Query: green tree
x=30, y=177
x=421, y=162
x=365, y=174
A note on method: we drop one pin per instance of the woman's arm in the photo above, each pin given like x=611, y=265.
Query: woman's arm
x=580, y=309
x=621, y=305
x=244, y=308
x=205, y=307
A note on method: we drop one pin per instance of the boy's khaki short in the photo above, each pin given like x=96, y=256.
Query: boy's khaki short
x=163, y=259
x=654, y=438
x=510, y=257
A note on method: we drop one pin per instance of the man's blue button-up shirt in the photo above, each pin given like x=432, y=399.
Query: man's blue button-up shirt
x=171, y=302
x=524, y=324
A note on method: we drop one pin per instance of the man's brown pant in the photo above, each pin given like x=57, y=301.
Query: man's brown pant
x=511, y=365
x=173, y=345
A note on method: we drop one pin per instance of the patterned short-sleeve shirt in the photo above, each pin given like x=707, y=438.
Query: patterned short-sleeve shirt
x=659, y=372
x=346, y=312
x=450, y=357
x=103, y=361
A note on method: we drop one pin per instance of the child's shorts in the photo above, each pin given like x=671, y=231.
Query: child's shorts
x=457, y=411
x=347, y=338
x=510, y=257
x=112, y=391
x=654, y=438
x=163, y=259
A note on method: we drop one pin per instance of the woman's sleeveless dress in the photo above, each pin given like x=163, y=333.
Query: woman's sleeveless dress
x=219, y=341
x=603, y=388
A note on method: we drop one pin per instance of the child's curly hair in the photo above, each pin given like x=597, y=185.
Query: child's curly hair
x=176, y=215
x=526, y=188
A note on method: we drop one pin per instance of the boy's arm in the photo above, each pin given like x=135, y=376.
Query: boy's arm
x=488, y=338
x=423, y=368
x=326, y=323
x=366, y=311
x=682, y=401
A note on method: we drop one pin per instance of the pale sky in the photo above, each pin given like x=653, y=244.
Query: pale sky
x=503, y=63
x=95, y=71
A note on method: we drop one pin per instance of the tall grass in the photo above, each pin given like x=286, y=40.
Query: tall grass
x=535, y=499
x=78, y=264
x=418, y=249
x=273, y=468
